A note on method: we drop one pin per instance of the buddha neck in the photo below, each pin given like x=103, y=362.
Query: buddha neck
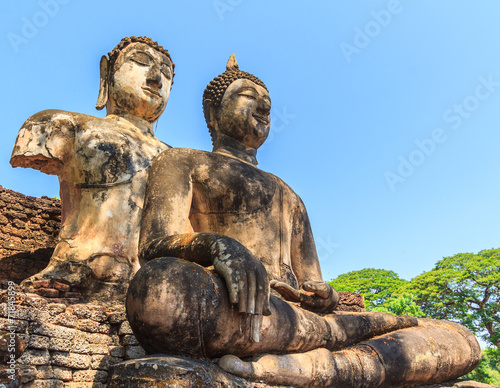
x=143, y=125
x=228, y=146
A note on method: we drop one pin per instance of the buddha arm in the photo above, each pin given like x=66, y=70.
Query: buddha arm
x=45, y=141
x=168, y=199
x=165, y=227
x=305, y=262
x=314, y=293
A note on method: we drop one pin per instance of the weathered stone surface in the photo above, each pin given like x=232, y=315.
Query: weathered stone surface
x=35, y=357
x=44, y=372
x=11, y=345
x=84, y=385
x=71, y=360
x=39, y=342
x=173, y=371
x=56, y=308
x=53, y=331
x=116, y=351
x=350, y=301
x=60, y=345
x=125, y=328
x=51, y=383
x=68, y=320
x=176, y=371
x=55, y=353
x=19, y=325
x=6, y=373
x=129, y=340
x=134, y=352
x=100, y=349
x=93, y=326
x=95, y=338
x=118, y=317
x=62, y=373
x=103, y=362
x=48, y=372
x=27, y=372
x=90, y=376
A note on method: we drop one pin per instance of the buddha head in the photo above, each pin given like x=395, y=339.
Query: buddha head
x=136, y=78
x=236, y=104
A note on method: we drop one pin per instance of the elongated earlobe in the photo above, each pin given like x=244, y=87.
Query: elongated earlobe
x=212, y=124
x=212, y=115
x=103, y=84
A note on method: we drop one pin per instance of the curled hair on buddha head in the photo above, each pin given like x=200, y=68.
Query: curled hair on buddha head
x=108, y=63
x=212, y=96
x=113, y=54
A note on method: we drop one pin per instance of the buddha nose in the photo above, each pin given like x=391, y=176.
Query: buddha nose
x=264, y=108
x=153, y=77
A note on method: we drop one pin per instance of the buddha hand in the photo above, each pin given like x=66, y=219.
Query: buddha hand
x=246, y=278
x=315, y=296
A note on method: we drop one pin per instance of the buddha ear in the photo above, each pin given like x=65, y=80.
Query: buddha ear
x=103, y=83
x=212, y=117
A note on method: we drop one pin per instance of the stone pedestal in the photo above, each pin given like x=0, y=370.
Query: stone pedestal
x=177, y=371
x=68, y=344
x=173, y=371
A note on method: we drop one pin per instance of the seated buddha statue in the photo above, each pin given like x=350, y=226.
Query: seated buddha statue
x=102, y=165
x=230, y=270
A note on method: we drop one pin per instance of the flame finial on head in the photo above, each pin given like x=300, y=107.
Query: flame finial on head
x=232, y=64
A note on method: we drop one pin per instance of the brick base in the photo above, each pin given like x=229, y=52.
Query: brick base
x=68, y=344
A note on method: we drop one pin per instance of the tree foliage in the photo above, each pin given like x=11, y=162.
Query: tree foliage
x=488, y=370
x=378, y=286
x=464, y=288
x=402, y=305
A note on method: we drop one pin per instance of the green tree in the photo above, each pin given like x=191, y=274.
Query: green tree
x=488, y=369
x=378, y=286
x=464, y=288
x=402, y=305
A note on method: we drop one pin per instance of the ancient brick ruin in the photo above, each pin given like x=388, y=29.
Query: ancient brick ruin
x=67, y=344
x=28, y=232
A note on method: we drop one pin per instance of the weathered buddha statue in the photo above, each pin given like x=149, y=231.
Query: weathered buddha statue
x=102, y=165
x=230, y=271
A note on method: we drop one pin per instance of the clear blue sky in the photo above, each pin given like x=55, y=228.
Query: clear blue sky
x=386, y=114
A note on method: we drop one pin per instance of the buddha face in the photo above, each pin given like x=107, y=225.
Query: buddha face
x=244, y=113
x=140, y=82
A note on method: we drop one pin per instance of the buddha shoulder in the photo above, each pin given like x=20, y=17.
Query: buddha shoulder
x=42, y=141
x=60, y=118
x=186, y=157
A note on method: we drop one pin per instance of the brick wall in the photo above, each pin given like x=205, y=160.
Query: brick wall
x=66, y=344
x=28, y=231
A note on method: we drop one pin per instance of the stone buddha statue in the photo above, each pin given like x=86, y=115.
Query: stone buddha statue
x=102, y=165
x=230, y=271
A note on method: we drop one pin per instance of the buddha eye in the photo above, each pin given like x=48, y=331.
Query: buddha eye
x=165, y=69
x=141, y=58
x=246, y=94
